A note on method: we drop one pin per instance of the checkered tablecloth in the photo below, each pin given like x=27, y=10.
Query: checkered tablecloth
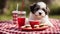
x=50, y=30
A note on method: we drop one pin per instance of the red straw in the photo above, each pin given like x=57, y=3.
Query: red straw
x=22, y=5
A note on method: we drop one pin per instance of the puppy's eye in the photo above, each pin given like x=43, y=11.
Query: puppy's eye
x=43, y=9
x=36, y=9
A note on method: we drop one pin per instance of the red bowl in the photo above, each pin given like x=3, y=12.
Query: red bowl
x=34, y=22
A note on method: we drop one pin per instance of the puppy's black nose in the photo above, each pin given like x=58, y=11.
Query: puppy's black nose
x=39, y=13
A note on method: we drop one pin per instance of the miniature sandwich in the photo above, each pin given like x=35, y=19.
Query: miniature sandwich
x=27, y=26
x=41, y=25
x=36, y=26
x=22, y=26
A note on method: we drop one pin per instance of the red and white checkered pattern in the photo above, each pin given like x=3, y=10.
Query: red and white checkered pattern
x=50, y=30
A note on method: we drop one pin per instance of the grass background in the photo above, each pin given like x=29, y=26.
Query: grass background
x=54, y=10
x=9, y=17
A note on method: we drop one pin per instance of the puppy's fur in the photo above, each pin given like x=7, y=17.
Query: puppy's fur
x=40, y=11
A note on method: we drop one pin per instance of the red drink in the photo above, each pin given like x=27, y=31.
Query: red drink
x=32, y=23
x=21, y=22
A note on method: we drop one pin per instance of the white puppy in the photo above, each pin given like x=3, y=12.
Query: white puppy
x=40, y=11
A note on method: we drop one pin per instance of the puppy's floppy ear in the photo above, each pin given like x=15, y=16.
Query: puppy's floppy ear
x=32, y=6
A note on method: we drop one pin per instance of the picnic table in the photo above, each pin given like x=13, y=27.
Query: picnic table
x=14, y=30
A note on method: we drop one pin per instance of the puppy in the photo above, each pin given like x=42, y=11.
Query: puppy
x=40, y=11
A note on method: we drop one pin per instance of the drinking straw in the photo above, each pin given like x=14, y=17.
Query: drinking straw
x=22, y=5
x=17, y=7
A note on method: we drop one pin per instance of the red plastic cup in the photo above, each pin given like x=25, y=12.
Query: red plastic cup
x=21, y=22
x=34, y=22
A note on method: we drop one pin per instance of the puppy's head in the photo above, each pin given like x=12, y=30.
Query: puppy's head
x=39, y=9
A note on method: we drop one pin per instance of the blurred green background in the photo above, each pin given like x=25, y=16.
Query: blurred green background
x=10, y=5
